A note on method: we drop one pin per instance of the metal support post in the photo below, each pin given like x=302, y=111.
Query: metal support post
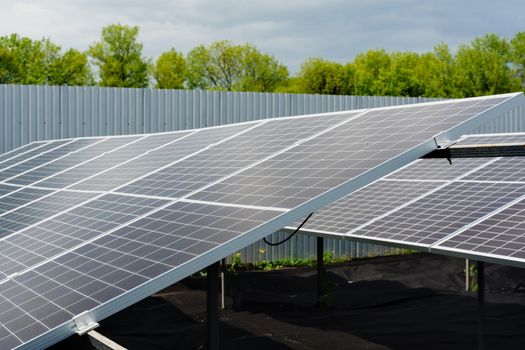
x=467, y=275
x=481, y=305
x=213, y=306
x=223, y=291
x=320, y=270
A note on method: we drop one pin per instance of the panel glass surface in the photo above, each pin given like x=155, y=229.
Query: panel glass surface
x=156, y=159
x=45, y=158
x=226, y=158
x=53, y=293
x=32, y=153
x=316, y=166
x=5, y=189
x=441, y=213
x=501, y=235
x=366, y=204
x=72, y=228
x=43, y=175
x=20, y=150
x=39, y=210
x=496, y=139
x=503, y=169
x=18, y=198
x=437, y=169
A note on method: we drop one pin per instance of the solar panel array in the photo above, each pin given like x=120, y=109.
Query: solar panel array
x=101, y=222
x=473, y=207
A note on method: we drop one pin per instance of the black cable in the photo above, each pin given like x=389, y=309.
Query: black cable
x=290, y=236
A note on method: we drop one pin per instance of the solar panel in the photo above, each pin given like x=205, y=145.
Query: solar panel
x=39, y=210
x=102, y=257
x=504, y=169
x=51, y=294
x=33, y=152
x=65, y=231
x=500, y=238
x=185, y=145
x=46, y=157
x=216, y=162
x=491, y=139
x=17, y=151
x=346, y=152
x=441, y=213
x=43, y=174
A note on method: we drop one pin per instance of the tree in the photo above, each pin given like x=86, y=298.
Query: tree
x=319, y=76
x=170, y=70
x=72, y=68
x=27, y=61
x=118, y=57
x=369, y=72
x=518, y=56
x=483, y=68
x=215, y=67
x=229, y=67
x=9, y=69
x=260, y=72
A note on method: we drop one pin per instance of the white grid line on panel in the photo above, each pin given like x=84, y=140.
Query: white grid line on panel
x=81, y=163
x=14, y=155
x=485, y=217
x=350, y=118
x=418, y=198
x=114, y=166
x=115, y=190
x=39, y=154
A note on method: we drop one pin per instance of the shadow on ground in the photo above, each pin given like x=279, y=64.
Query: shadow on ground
x=406, y=302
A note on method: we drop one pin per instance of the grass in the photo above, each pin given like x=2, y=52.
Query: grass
x=329, y=258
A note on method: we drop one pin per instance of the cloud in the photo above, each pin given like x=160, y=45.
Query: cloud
x=291, y=30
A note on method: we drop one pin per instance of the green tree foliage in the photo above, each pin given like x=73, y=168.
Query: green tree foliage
x=483, y=68
x=518, y=56
x=224, y=66
x=319, y=76
x=27, y=61
x=72, y=68
x=118, y=57
x=260, y=72
x=170, y=70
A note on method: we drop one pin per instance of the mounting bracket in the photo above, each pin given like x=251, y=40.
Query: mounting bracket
x=84, y=322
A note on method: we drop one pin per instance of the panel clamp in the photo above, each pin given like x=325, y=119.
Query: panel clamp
x=84, y=322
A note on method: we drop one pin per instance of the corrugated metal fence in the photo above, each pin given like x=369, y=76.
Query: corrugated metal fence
x=30, y=113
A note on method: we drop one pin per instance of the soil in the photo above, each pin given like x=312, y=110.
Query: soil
x=404, y=302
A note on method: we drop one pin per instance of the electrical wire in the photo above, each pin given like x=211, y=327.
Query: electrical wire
x=290, y=236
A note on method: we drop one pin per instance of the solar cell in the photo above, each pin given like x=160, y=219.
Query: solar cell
x=233, y=155
x=63, y=232
x=492, y=139
x=366, y=204
x=441, y=213
x=39, y=210
x=17, y=151
x=185, y=146
x=32, y=153
x=500, y=237
x=108, y=160
x=46, y=157
x=503, y=169
x=43, y=175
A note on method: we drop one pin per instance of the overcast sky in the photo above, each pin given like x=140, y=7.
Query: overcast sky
x=291, y=30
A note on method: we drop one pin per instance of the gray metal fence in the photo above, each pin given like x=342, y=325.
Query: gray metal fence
x=30, y=113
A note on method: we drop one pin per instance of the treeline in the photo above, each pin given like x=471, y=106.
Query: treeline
x=487, y=65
